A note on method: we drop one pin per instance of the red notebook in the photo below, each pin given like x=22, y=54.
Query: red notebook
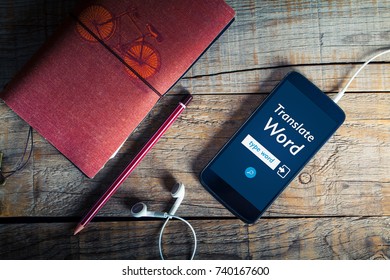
x=97, y=78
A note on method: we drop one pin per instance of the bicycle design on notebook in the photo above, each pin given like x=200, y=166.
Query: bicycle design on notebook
x=138, y=54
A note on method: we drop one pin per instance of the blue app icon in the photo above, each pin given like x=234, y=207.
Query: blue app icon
x=250, y=172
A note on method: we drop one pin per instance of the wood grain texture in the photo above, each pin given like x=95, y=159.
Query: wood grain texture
x=331, y=184
x=338, y=207
x=302, y=238
x=266, y=34
x=285, y=33
x=325, y=238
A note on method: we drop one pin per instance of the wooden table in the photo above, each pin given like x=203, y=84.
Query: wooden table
x=338, y=207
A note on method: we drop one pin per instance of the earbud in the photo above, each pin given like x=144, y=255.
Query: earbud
x=141, y=210
x=178, y=192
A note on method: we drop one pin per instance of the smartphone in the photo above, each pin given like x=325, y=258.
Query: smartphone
x=271, y=147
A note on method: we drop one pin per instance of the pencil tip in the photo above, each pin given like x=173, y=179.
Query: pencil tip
x=78, y=229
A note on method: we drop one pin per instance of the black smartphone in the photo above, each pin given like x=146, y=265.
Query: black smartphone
x=271, y=147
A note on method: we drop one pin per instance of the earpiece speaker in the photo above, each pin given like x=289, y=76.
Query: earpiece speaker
x=141, y=210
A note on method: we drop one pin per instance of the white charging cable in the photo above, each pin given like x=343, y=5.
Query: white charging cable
x=341, y=93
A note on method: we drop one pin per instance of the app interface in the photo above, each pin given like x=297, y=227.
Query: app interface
x=272, y=147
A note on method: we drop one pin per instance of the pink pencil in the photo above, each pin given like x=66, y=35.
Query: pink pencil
x=133, y=164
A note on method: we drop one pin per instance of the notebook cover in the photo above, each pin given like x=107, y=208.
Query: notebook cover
x=97, y=78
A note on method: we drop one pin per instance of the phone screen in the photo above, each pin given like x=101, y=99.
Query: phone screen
x=274, y=144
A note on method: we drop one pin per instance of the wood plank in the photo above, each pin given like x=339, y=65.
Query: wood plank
x=329, y=78
x=294, y=238
x=120, y=240
x=349, y=176
x=277, y=33
x=265, y=34
x=323, y=238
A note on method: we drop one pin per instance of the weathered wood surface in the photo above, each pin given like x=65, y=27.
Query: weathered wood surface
x=265, y=35
x=338, y=207
x=331, y=184
x=297, y=238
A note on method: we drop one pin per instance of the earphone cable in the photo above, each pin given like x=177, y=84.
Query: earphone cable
x=162, y=231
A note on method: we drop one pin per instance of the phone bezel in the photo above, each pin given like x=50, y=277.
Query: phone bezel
x=230, y=197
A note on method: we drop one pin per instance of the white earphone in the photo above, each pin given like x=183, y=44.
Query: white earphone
x=178, y=192
x=140, y=210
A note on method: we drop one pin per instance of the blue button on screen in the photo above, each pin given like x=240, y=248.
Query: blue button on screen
x=250, y=172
